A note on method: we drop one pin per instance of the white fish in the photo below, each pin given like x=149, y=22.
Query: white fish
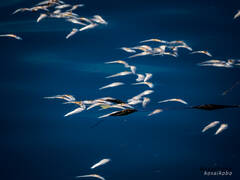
x=119, y=62
x=237, y=15
x=172, y=100
x=90, y=26
x=211, y=125
x=112, y=85
x=147, y=77
x=100, y=163
x=42, y=16
x=73, y=32
x=149, y=84
x=155, y=112
x=129, y=50
x=99, y=19
x=75, y=111
x=202, y=52
x=11, y=35
x=140, y=77
x=124, y=73
x=221, y=128
x=91, y=175
x=145, y=101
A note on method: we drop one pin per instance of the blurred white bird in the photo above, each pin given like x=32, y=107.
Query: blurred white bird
x=140, y=77
x=155, y=112
x=202, y=52
x=90, y=26
x=100, y=163
x=145, y=101
x=65, y=97
x=119, y=62
x=154, y=40
x=147, y=77
x=99, y=19
x=237, y=15
x=129, y=50
x=112, y=85
x=11, y=35
x=75, y=111
x=149, y=84
x=73, y=32
x=91, y=175
x=124, y=73
x=211, y=125
x=221, y=128
x=172, y=100
x=42, y=16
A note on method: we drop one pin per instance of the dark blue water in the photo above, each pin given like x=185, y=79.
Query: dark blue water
x=38, y=143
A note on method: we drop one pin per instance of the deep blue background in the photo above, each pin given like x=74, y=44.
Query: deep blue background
x=38, y=143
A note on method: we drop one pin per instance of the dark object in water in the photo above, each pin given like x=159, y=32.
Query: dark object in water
x=117, y=101
x=124, y=112
x=210, y=107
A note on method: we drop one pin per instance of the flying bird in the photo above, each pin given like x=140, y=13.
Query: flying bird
x=140, y=77
x=91, y=175
x=42, y=16
x=73, y=32
x=119, y=62
x=115, y=84
x=211, y=125
x=124, y=73
x=149, y=84
x=119, y=113
x=172, y=100
x=90, y=26
x=11, y=35
x=75, y=111
x=237, y=15
x=154, y=40
x=129, y=50
x=221, y=128
x=147, y=77
x=155, y=112
x=145, y=101
x=202, y=52
x=100, y=163
x=65, y=97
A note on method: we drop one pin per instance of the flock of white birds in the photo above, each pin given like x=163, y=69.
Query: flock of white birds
x=61, y=10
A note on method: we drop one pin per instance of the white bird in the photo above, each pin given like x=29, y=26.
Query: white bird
x=129, y=50
x=100, y=163
x=42, y=16
x=237, y=15
x=107, y=115
x=144, y=53
x=74, y=7
x=221, y=128
x=119, y=62
x=154, y=40
x=65, y=97
x=99, y=19
x=134, y=101
x=11, y=35
x=147, y=77
x=202, y=52
x=90, y=26
x=75, y=111
x=155, y=112
x=140, y=77
x=112, y=85
x=211, y=125
x=174, y=100
x=73, y=32
x=145, y=101
x=63, y=6
x=149, y=84
x=91, y=175
x=75, y=21
x=133, y=69
x=124, y=73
